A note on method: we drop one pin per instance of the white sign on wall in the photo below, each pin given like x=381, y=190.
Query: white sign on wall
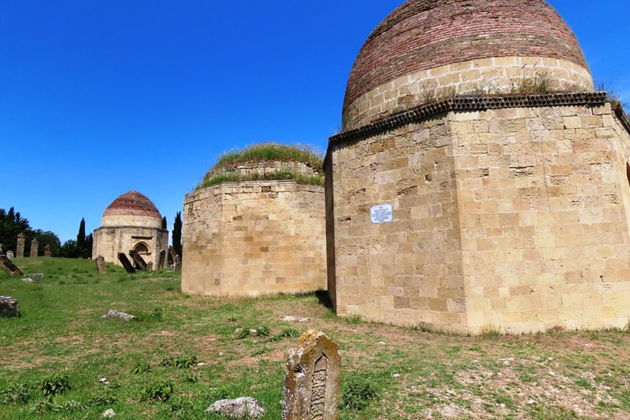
x=383, y=213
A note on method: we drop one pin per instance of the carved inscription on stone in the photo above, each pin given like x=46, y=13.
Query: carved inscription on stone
x=21, y=241
x=100, y=265
x=34, y=248
x=311, y=389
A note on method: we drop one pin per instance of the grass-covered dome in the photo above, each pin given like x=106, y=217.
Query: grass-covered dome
x=268, y=161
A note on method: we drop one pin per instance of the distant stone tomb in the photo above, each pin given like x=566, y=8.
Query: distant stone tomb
x=47, y=251
x=100, y=265
x=7, y=265
x=141, y=264
x=21, y=242
x=34, y=248
x=9, y=307
x=311, y=388
x=126, y=263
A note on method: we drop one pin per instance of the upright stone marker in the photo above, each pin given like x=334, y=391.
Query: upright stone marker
x=100, y=265
x=126, y=263
x=177, y=264
x=311, y=386
x=21, y=241
x=140, y=262
x=162, y=260
x=8, y=266
x=150, y=266
x=47, y=251
x=34, y=248
x=10, y=255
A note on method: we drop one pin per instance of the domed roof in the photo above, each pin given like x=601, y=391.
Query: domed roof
x=427, y=34
x=132, y=203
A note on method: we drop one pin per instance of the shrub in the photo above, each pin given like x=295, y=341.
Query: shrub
x=357, y=394
x=185, y=362
x=15, y=394
x=272, y=151
x=141, y=368
x=54, y=385
x=157, y=392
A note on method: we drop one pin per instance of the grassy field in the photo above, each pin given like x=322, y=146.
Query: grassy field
x=183, y=354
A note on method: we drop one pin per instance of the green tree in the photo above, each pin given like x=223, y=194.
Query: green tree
x=177, y=233
x=81, y=238
x=89, y=242
x=11, y=225
x=69, y=249
x=47, y=238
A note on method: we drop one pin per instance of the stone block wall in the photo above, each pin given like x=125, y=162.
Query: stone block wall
x=254, y=238
x=510, y=219
x=110, y=240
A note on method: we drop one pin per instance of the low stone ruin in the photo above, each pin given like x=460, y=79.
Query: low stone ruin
x=240, y=408
x=9, y=307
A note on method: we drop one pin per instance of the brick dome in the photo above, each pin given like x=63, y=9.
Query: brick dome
x=467, y=41
x=132, y=203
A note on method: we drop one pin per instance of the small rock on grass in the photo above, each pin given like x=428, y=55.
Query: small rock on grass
x=27, y=280
x=108, y=414
x=37, y=276
x=240, y=408
x=118, y=315
x=291, y=318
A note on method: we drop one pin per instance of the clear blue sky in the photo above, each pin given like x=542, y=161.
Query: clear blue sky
x=101, y=97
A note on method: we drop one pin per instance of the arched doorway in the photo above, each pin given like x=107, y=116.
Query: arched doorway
x=142, y=248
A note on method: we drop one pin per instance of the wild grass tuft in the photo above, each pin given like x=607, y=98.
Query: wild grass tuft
x=273, y=152
x=279, y=175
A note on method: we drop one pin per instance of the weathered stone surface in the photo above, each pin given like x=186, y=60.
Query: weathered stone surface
x=108, y=414
x=27, y=280
x=37, y=276
x=21, y=242
x=177, y=264
x=100, y=265
x=150, y=266
x=141, y=264
x=34, y=248
x=9, y=307
x=162, y=260
x=10, y=255
x=47, y=251
x=7, y=265
x=118, y=315
x=240, y=408
x=126, y=263
x=311, y=388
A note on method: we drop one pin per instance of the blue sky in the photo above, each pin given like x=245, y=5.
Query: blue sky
x=101, y=97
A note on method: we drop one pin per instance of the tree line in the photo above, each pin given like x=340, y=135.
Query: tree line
x=12, y=224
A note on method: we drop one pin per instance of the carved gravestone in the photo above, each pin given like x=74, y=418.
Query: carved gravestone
x=21, y=242
x=9, y=307
x=100, y=265
x=177, y=264
x=141, y=264
x=10, y=255
x=150, y=266
x=311, y=386
x=126, y=263
x=162, y=260
x=171, y=255
x=8, y=266
x=34, y=248
x=47, y=251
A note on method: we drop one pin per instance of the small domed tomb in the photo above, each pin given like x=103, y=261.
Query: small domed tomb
x=131, y=222
x=256, y=225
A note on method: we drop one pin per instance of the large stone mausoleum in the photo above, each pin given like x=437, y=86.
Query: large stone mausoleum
x=256, y=225
x=479, y=183
x=131, y=222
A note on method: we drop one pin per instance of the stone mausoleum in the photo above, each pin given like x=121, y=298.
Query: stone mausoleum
x=256, y=225
x=479, y=182
x=131, y=222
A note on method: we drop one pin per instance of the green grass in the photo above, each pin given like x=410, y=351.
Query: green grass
x=272, y=152
x=279, y=175
x=184, y=353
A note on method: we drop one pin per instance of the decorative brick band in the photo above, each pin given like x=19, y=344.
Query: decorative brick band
x=471, y=103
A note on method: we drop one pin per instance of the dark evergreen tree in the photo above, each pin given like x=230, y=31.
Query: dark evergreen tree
x=69, y=249
x=164, y=223
x=81, y=235
x=89, y=242
x=177, y=233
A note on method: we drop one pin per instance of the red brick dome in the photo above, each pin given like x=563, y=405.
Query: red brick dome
x=132, y=203
x=427, y=34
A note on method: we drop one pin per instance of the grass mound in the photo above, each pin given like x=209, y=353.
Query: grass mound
x=272, y=152
x=279, y=175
